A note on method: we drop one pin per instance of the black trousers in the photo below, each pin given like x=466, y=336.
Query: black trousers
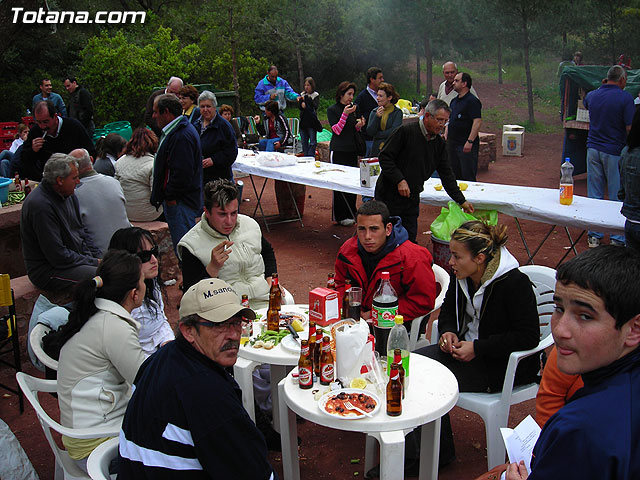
x=344, y=204
x=465, y=165
x=471, y=376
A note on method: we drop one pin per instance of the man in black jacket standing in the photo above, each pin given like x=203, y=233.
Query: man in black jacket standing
x=367, y=100
x=80, y=104
x=411, y=155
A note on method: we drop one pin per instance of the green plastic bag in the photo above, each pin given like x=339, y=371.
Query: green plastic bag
x=451, y=218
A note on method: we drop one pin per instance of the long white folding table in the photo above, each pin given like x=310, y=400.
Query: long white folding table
x=529, y=203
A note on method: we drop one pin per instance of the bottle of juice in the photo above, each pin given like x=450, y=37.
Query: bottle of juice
x=566, y=183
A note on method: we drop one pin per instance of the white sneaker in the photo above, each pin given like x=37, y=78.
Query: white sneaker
x=347, y=222
x=593, y=242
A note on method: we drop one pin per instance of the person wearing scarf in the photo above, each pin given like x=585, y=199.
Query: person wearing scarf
x=384, y=119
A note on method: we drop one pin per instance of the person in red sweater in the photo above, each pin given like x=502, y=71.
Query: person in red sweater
x=382, y=244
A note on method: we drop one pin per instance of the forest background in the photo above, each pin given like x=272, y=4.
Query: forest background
x=231, y=43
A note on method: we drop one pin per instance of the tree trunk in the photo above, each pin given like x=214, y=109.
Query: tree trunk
x=428, y=55
x=300, y=70
x=499, y=62
x=527, y=67
x=418, y=72
x=234, y=63
x=612, y=40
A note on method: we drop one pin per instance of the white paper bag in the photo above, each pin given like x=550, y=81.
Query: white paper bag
x=351, y=351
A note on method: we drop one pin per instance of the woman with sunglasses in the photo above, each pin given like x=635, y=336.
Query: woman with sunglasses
x=98, y=350
x=155, y=330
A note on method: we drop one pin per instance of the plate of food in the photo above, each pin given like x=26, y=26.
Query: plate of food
x=332, y=403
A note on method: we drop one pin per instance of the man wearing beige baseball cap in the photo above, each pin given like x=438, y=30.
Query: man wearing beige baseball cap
x=186, y=415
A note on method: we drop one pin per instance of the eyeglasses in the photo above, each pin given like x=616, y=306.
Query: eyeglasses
x=145, y=255
x=224, y=326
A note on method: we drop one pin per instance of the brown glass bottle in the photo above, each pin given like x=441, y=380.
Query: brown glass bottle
x=245, y=301
x=331, y=281
x=313, y=346
x=326, y=363
x=394, y=392
x=345, y=299
x=397, y=358
x=275, y=299
x=305, y=367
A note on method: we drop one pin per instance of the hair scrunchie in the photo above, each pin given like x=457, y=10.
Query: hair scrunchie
x=98, y=281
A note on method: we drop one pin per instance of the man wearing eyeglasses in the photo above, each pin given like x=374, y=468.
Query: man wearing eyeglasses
x=410, y=156
x=185, y=418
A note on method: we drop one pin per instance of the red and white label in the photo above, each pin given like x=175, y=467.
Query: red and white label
x=305, y=376
x=326, y=373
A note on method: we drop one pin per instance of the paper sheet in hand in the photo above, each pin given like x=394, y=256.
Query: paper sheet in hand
x=521, y=440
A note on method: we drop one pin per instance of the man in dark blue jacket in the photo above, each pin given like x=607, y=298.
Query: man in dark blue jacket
x=177, y=170
x=596, y=329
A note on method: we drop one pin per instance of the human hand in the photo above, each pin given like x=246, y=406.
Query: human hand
x=463, y=351
x=447, y=340
x=379, y=111
x=207, y=162
x=517, y=471
x=273, y=95
x=467, y=206
x=276, y=145
x=349, y=109
x=37, y=144
x=467, y=147
x=403, y=188
x=219, y=254
x=303, y=105
x=256, y=118
x=365, y=315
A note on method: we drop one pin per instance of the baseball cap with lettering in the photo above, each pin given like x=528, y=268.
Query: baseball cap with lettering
x=214, y=300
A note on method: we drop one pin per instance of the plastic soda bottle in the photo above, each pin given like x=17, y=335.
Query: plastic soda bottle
x=566, y=182
x=398, y=341
x=385, y=304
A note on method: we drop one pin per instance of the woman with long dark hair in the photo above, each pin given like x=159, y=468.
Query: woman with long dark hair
x=99, y=351
x=155, y=330
x=630, y=185
x=346, y=122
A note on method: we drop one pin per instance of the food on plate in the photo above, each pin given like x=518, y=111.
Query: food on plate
x=269, y=339
x=463, y=186
x=438, y=187
x=335, y=404
x=289, y=317
x=297, y=325
x=358, y=382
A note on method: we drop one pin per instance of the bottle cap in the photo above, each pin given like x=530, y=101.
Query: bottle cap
x=385, y=275
x=399, y=320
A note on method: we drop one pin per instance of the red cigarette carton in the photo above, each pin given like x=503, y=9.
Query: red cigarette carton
x=324, y=306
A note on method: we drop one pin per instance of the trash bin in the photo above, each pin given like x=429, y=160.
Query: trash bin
x=441, y=253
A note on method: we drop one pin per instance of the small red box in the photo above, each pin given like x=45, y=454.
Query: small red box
x=324, y=306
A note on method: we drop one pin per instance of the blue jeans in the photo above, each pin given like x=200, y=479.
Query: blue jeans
x=180, y=218
x=632, y=234
x=308, y=137
x=603, y=171
x=5, y=163
x=266, y=144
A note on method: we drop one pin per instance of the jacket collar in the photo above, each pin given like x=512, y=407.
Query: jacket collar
x=117, y=309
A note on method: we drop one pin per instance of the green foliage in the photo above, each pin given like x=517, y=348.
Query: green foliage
x=121, y=74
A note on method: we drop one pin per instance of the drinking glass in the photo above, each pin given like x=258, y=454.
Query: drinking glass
x=355, y=301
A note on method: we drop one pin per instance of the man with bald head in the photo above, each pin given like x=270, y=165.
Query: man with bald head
x=101, y=201
x=173, y=86
x=446, y=91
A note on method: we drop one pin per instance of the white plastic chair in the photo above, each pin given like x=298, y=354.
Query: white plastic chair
x=294, y=127
x=416, y=339
x=494, y=407
x=38, y=332
x=100, y=458
x=65, y=467
x=287, y=297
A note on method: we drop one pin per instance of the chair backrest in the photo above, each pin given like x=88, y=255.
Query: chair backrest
x=252, y=129
x=442, y=278
x=294, y=126
x=544, y=284
x=31, y=386
x=100, y=458
x=38, y=332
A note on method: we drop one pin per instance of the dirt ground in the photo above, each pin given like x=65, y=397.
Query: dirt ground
x=306, y=254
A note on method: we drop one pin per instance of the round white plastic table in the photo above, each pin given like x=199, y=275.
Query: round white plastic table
x=432, y=392
x=279, y=359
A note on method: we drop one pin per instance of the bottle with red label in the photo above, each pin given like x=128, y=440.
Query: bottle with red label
x=331, y=281
x=326, y=363
x=384, y=309
x=305, y=367
x=394, y=392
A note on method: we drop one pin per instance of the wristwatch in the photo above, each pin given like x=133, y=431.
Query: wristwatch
x=469, y=141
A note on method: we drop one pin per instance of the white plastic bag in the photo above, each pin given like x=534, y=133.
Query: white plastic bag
x=351, y=351
x=275, y=159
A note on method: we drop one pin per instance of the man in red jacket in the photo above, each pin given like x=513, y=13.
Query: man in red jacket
x=382, y=244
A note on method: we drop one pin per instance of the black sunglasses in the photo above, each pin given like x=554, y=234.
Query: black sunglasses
x=145, y=255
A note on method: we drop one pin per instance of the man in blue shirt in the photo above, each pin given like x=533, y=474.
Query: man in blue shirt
x=463, y=143
x=46, y=93
x=273, y=87
x=611, y=112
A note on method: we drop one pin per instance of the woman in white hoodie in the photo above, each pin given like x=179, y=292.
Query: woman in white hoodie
x=488, y=312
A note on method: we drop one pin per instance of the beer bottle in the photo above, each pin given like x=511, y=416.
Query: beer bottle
x=345, y=300
x=27, y=187
x=245, y=301
x=313, y=344
x=245, y=304
x=305, y=367
x=394, y=392
x=275, y=299
x=326, y=363
x=18, y=184
x=397, y=358
x=331, y=281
